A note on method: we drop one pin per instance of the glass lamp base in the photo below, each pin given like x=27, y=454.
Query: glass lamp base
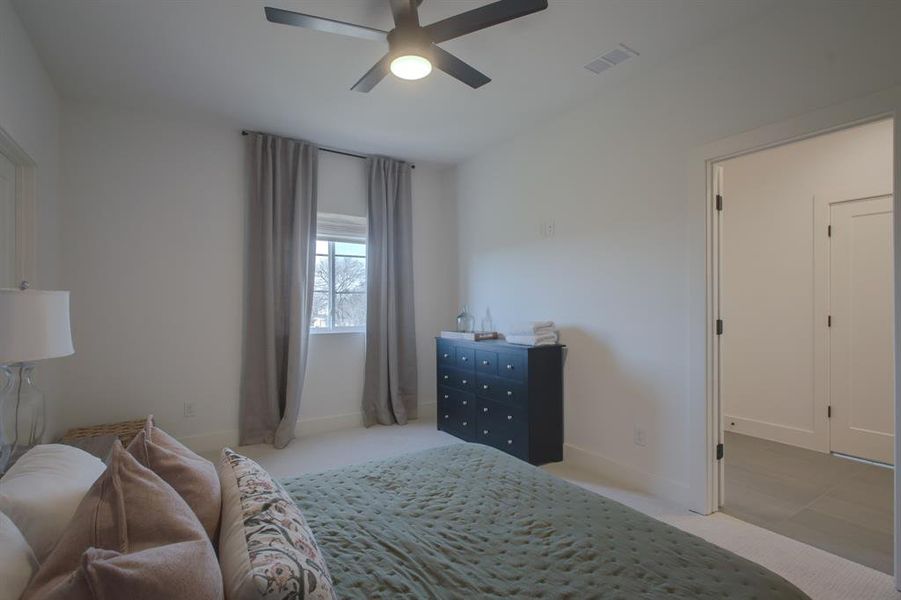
x=21, y=411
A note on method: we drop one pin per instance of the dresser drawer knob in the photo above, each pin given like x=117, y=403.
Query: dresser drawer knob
x=509, y=367
x=446, y=396
x=485, y=386
x=465, y=423
x=509, y=417
x=465, y=402
x=509, y=442
x=509, y=392
x=464, y=359
x=485, y=410
x=445, y=355
x=446, y=416
x=446, y=377
x=464, y=382
x=484, y=432
x=485, y=363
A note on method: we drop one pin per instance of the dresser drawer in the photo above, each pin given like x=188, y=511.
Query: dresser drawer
x=456, y=412
x=493, y=429
x=511, y=365
x=446, y=354
x=465, y=358
x=462, y=403
x=501, y=390
x=501, y=417
x=486, y=362
x=454, y=378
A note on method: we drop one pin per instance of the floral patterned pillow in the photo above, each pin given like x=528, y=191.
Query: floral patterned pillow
x=266, y=548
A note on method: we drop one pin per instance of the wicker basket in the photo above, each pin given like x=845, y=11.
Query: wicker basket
x=125, y=431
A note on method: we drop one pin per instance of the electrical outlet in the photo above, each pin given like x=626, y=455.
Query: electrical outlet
x=189, y=410
x=640, y=437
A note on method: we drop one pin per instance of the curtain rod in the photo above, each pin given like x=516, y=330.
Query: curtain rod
x=335, y=151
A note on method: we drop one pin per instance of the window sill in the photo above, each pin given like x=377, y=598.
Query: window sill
x=337, y=332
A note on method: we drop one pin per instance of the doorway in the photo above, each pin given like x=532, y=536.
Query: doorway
x=18, y=208
x=7, y=222
x=804, y=276
x=861, y=380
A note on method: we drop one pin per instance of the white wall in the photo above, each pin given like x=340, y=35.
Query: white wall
x=152, y=238
x=773, y=286
x=29, y=113
x=153, y=234
x=624, y=275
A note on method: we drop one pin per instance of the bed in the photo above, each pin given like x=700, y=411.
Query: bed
x=468, y=521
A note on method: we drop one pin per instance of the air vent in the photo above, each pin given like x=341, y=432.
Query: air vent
x=611, y=58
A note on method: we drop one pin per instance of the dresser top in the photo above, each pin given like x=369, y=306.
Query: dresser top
x=497, y=344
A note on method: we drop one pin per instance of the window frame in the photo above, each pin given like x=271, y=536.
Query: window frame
x=332, y=294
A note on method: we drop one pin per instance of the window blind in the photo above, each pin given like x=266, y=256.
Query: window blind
x=340, y=228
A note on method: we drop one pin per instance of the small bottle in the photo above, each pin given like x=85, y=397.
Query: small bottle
x=487, y=321
x=465, y=321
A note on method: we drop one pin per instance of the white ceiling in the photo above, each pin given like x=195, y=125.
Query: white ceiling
x=223, y=59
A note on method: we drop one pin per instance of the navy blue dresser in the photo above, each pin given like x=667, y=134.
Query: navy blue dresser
x=502, y=395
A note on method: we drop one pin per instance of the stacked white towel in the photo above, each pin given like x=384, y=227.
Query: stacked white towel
x=532, y=333
x=532, y=328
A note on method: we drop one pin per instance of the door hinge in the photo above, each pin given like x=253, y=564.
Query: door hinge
x=719, y=327
x=720, y=451
x=829, y=231
x=829, y=321
x=719, y=202
x=829, y=412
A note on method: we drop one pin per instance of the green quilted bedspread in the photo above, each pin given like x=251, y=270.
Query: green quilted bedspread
x=467, y=521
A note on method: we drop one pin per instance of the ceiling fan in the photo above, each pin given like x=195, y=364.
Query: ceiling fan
x=412, y=48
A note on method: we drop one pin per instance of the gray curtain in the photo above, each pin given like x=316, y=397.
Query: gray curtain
x=281, y=249
x=389, y=390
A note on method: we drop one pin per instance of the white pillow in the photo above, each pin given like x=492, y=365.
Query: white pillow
x=41, y=491
x=17, y=562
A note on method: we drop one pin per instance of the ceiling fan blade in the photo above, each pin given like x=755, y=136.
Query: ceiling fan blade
x=373, y=75
x=287, y=17
x=482, y=17
x=458, y=69
x=405, y=12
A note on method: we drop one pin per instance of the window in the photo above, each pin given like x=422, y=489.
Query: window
x=339, y=297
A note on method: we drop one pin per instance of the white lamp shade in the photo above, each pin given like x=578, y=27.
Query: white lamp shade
x=34, y=325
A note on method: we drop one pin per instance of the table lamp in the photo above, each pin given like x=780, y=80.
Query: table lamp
x=34, y=325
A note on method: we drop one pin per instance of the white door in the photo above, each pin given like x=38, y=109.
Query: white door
x=861, y=356
x=7, y=223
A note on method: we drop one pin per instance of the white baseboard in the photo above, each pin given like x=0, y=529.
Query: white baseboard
x=328, y=423
x=775, y=432
x=627, y=476
x=209, y=442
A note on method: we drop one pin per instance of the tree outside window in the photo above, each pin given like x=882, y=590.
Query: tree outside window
x=339, y=297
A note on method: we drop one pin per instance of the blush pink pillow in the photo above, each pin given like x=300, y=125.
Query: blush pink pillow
x=131, y=537
x=192, y=476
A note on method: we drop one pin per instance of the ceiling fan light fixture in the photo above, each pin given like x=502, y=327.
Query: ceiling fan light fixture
x=411, y=66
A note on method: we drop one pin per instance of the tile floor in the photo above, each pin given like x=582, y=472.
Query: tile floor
x=839, y=505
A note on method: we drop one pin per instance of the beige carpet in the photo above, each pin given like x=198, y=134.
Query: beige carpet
x=821, y=575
